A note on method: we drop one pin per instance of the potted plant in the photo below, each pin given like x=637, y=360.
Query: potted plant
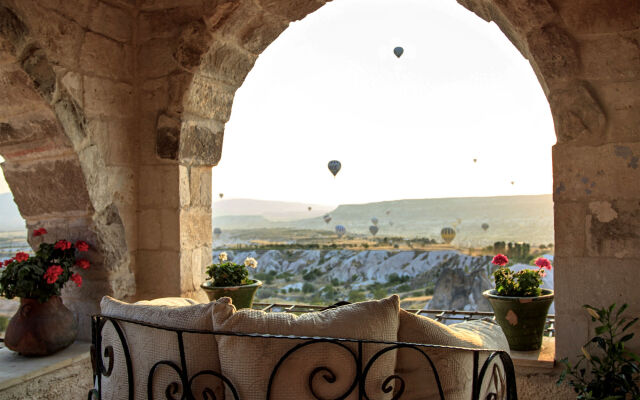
x=42, y=325
x=520, y=306
x=228, y=279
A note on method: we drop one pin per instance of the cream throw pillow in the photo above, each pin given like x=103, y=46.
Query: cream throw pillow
x=149, y=345
x=249, y=362
x=455, y=367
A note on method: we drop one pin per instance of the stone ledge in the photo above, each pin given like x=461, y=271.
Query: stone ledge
x=543, y=359
x=16, y=369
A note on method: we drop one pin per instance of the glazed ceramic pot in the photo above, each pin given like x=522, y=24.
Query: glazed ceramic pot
x=40, y=329
x=522, y=319
x=241, y=296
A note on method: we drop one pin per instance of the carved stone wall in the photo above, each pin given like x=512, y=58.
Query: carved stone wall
x=133, y=95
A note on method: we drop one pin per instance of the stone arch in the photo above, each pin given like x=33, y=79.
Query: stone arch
x=587, y=61
x=42, y=138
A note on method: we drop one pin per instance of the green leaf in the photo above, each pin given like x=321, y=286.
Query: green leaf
x=626, y=337
x=633, y=321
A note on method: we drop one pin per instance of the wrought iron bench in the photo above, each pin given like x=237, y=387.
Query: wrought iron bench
x=494, y=378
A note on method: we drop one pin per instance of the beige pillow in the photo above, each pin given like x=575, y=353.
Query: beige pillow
x=249, y=362
x=149, y=345
x=454, y=367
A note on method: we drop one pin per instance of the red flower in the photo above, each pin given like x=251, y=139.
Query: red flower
x=500, y=260
x=77, y=279
x=82, y=263
x=21, y=256
x=543, y=263
x=39, y=232
x=82, y=245
x=7, y=261
x=62, y=245
x=52, y=274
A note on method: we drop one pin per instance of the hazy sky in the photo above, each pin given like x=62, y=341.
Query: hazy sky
x=330, y=87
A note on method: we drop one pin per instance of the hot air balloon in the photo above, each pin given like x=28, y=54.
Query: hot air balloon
x=373, y=229
x=390, y=223
x=221, y=195
x=309, y=208
x=217, y=232
x=388, y=212
x=334, y=167
x=485, y=226
x=512, y=182
x=475, y=160
x=374, y=221
x=340, y=230
x=327, y=218
x=398, y=51
x=448, y=234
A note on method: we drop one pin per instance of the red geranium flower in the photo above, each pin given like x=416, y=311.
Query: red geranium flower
x=62, y=245
x=7, y=261
x=82, y=263
x=39, y=232
x=543, y=263
x=82, y=245
x=77, y=279
x=21, y=256
x=52, y=274
x=500, y=260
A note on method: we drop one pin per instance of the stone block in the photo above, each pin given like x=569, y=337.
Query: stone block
x=71, y=116
x=200, y=187
x=154, y=95
x=59, y=37
x=554, y=52
x=185, y=187
x=104, y=97
x=170, y=230
x=167, y=137
x=227, y=63
x=292, y=10
x=577, y=114
x=158, y=186
x=192, y=44
x=112, y=21
x=253, y=29
x=72, y=83
x=150, y=226
x=76, y=10
x=525, y=15
x=613, y=229
x=179, y=84
x=116, y=139
x=168, y=22
x=613, y=56
x=157, y=274
x=46, y=187
x=569, y=223
x=195, y=228
x=107, y=58
x=37, y=66
x=18, y=94
x=599, y=16
x=201, y=143
x=586, y=173
x=209, y=99
x=155, y=58
x=121, y=184
x=26, y=130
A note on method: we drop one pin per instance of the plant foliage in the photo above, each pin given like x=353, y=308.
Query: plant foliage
x=228, y=273
x=525, y=283
x=605, y=369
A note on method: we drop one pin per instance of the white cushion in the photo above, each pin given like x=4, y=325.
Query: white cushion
x=149, y=345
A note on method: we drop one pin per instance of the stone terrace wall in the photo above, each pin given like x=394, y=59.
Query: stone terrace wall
x=142, y=90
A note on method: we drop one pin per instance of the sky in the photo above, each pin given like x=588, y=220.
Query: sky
x=330, y=87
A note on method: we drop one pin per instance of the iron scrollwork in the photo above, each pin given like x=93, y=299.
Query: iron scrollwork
x=494, y=380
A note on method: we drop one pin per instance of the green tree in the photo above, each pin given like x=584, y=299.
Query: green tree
x=308, y=288
x=356, y=296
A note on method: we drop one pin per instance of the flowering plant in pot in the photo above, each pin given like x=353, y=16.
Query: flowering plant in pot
x=519, y=304
x=42, y=325
x=228, y=279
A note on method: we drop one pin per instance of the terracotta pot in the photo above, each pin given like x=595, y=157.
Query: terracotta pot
x=522, y=319
x=40, y=329
x=241, y=296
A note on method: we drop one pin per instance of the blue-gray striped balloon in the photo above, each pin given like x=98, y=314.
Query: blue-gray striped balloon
x=373, y=229
x=334, y=167
x=340, y=230
x=398, y=51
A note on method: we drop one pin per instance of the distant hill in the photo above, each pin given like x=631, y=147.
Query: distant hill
x=510, y=218
x=270, y=210
x=10, y=218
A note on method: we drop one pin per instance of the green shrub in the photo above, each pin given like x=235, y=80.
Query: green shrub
x=611, y=371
